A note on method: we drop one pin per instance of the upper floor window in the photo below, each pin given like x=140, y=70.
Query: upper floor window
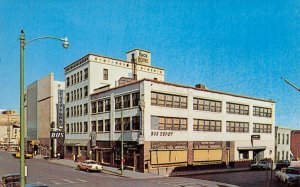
x=85, y=109
x=105, y=74
x=262, y=128
x=68, y=81
x=94, y=107
x=67, y=129
x=100, y=106
x=126, y=123
x=282, y=139
x=86, y=73
x=118, y=102
x=107, y=125
x=207, y=125
x=233, y=126
x=94, y=126
x=234, y=108
x=126, y=101
x=68, y=97
x=85, y=91
x=262, y=112
x=118, y=124
x=135, y=99
x=287, y=139
x=207, y=105
x=168, y=123
x=107, y=104
x=100, y=125
x=168, y=100
x=72, y=79
x=85, y=127
x=135, y=122
x=278, y=141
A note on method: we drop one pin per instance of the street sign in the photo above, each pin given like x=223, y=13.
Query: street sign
x=57, y=134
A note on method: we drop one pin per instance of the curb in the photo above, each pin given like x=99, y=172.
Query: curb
x=210, y=172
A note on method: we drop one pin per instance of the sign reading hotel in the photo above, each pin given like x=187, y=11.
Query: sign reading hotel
x=140, y=56
x=60, y=110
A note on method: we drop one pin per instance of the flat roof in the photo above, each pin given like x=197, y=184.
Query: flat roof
x=186, y=86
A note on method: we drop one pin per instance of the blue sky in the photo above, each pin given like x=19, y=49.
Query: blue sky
x=241, y=47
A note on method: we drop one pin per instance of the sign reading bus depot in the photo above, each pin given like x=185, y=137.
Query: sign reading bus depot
x=60, y=110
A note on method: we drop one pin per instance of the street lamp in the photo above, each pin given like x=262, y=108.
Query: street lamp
x=22, y=128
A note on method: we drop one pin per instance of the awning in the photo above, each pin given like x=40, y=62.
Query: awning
x=252, y=148
x=76, y=142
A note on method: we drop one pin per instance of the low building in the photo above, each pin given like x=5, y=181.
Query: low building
x=295, y=144
x=9, y=128
x=282, y=143
x=41, y=113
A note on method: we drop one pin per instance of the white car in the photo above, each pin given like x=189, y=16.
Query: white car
x=89, y=165
x=281, y=175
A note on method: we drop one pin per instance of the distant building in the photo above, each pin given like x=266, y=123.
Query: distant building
x=282, y=143
x=165, y=124
x=295, y=144
x=41, y=112
x=9, y=128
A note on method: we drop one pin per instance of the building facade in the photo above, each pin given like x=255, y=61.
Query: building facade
x=41, y=113
x=164, y=124
x=175, y=125
x=282, y=143
x=96, y=71
x=295, y=144
x=9, y=128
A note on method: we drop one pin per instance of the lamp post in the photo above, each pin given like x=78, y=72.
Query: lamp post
x=122, y=140
x=22, y=127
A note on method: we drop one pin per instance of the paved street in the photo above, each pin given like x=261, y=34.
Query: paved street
x=244, y=178
x=40, y=171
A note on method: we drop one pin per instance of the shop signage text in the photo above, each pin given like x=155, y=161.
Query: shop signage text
x=207, y=145
x=161, y=133
x=169, y=145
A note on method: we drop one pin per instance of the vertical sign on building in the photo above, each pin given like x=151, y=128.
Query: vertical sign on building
x=60, y=110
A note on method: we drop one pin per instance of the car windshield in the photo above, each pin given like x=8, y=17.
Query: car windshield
x=91, y=162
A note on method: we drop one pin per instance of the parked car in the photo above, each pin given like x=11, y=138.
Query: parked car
x=18, y=155
x=260, y=165
x=293, y=176
x=282, y=164
x=89, y=165
x=281, y=175
x=11, y=180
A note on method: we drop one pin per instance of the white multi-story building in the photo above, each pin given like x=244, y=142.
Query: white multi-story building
x=96, y=71
x=282, y=143
x=164, y=124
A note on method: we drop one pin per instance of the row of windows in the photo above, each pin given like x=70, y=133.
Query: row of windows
x=77, y=77
x=104, y=125
x=282, y=156
x=167, y=100
x=207, y=125
x=207, y=105
x=234, y=108
x=287, y=138
x=262, y=128
x=262, y=112
x=78, y=110
x=77, y=128
x=233, y=126
x=77, y=94
x=127, y=100
x=168, y=123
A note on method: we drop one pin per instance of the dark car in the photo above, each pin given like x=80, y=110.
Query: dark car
x=11, y=180
x=282, y=164
x=293, y=176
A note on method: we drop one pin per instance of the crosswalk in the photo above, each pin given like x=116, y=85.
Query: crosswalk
x=58, y=181
x=185, y=182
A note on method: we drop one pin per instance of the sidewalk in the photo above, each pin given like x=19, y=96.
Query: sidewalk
x=139, y=175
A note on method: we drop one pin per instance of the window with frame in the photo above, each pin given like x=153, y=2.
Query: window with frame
x=80, y=126
x=75, y=98
x=171, y=123
x=68, y=81
x=287, y=155
x=85, y=127
x=154, y=98
x=80, y=93
x=262, y=128
x=71, y=111
x=105, y=74
x=234, y=108
x=168, y=100
x=94, y=107
x=67, y=129
x=80, y=76
x=72, y=96
x=278, y=140
x=72, y=81
x=282, y=139
x=94, y=126
x=126, y=101
x=100, y=126
x=75, y=78
x=126, y=122
x=100, y=106
x=287, y=139
x=107, y=104
x=233, y=126
x=118, y=102
x=85, y=108
x=262, y=112
x=80, y=109
x=207, y=105
x=107, y=125
x=86, y=73
x=135, y=99
x=118, y=124
x=67, y=97
x=67, y=112
x=135, y=122
x=207, y=125
x=85, y=91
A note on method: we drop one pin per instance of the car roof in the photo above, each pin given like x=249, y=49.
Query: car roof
x=11, y=175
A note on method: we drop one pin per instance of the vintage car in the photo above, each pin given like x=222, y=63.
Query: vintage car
x=89, y=165
x=27, y=155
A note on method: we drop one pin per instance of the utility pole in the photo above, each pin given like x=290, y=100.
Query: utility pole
x=122, y=138
x=291, y=84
